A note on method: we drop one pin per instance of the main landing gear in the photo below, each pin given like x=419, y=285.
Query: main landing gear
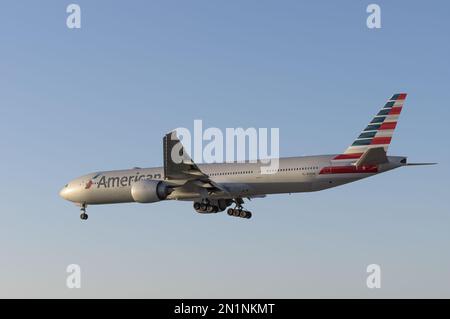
x=205, y=208
x=83, y=215
x=239, y=211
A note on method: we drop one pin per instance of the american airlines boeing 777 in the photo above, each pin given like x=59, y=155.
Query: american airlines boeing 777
x=214, y=187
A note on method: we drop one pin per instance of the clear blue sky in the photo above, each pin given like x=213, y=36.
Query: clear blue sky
x=99, y=98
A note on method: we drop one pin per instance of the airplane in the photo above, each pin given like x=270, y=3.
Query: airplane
x=215, y=187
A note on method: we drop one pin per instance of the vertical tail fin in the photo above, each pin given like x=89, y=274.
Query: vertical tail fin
x=379, y=131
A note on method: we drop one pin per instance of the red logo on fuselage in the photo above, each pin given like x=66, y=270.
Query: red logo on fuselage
x=89, y=184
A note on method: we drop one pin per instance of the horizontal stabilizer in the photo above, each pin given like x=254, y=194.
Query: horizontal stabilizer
x=372, y=156
x=420, y=164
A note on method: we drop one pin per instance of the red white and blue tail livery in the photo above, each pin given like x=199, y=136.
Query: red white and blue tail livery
x=379, y=131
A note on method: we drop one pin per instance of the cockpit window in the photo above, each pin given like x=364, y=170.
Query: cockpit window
x=67, y=185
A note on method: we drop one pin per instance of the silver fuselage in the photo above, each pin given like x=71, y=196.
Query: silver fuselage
x=295, y=174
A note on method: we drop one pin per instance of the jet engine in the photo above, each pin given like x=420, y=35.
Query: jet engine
x=149, y=191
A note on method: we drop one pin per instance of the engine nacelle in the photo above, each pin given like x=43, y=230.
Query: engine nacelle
x=149, y=191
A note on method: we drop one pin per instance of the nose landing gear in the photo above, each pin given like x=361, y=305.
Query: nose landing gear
x=83, y=215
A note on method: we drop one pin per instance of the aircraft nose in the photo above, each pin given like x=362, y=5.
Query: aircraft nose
x=68, y=192
x=64, y=192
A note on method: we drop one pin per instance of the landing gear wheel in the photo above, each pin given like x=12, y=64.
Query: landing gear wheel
x=238, y=210
x=83, y=215
x=210, y=208
x=197, y=206
x=203, y=207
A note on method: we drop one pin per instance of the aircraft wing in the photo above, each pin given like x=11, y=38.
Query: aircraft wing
x=179, y=167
